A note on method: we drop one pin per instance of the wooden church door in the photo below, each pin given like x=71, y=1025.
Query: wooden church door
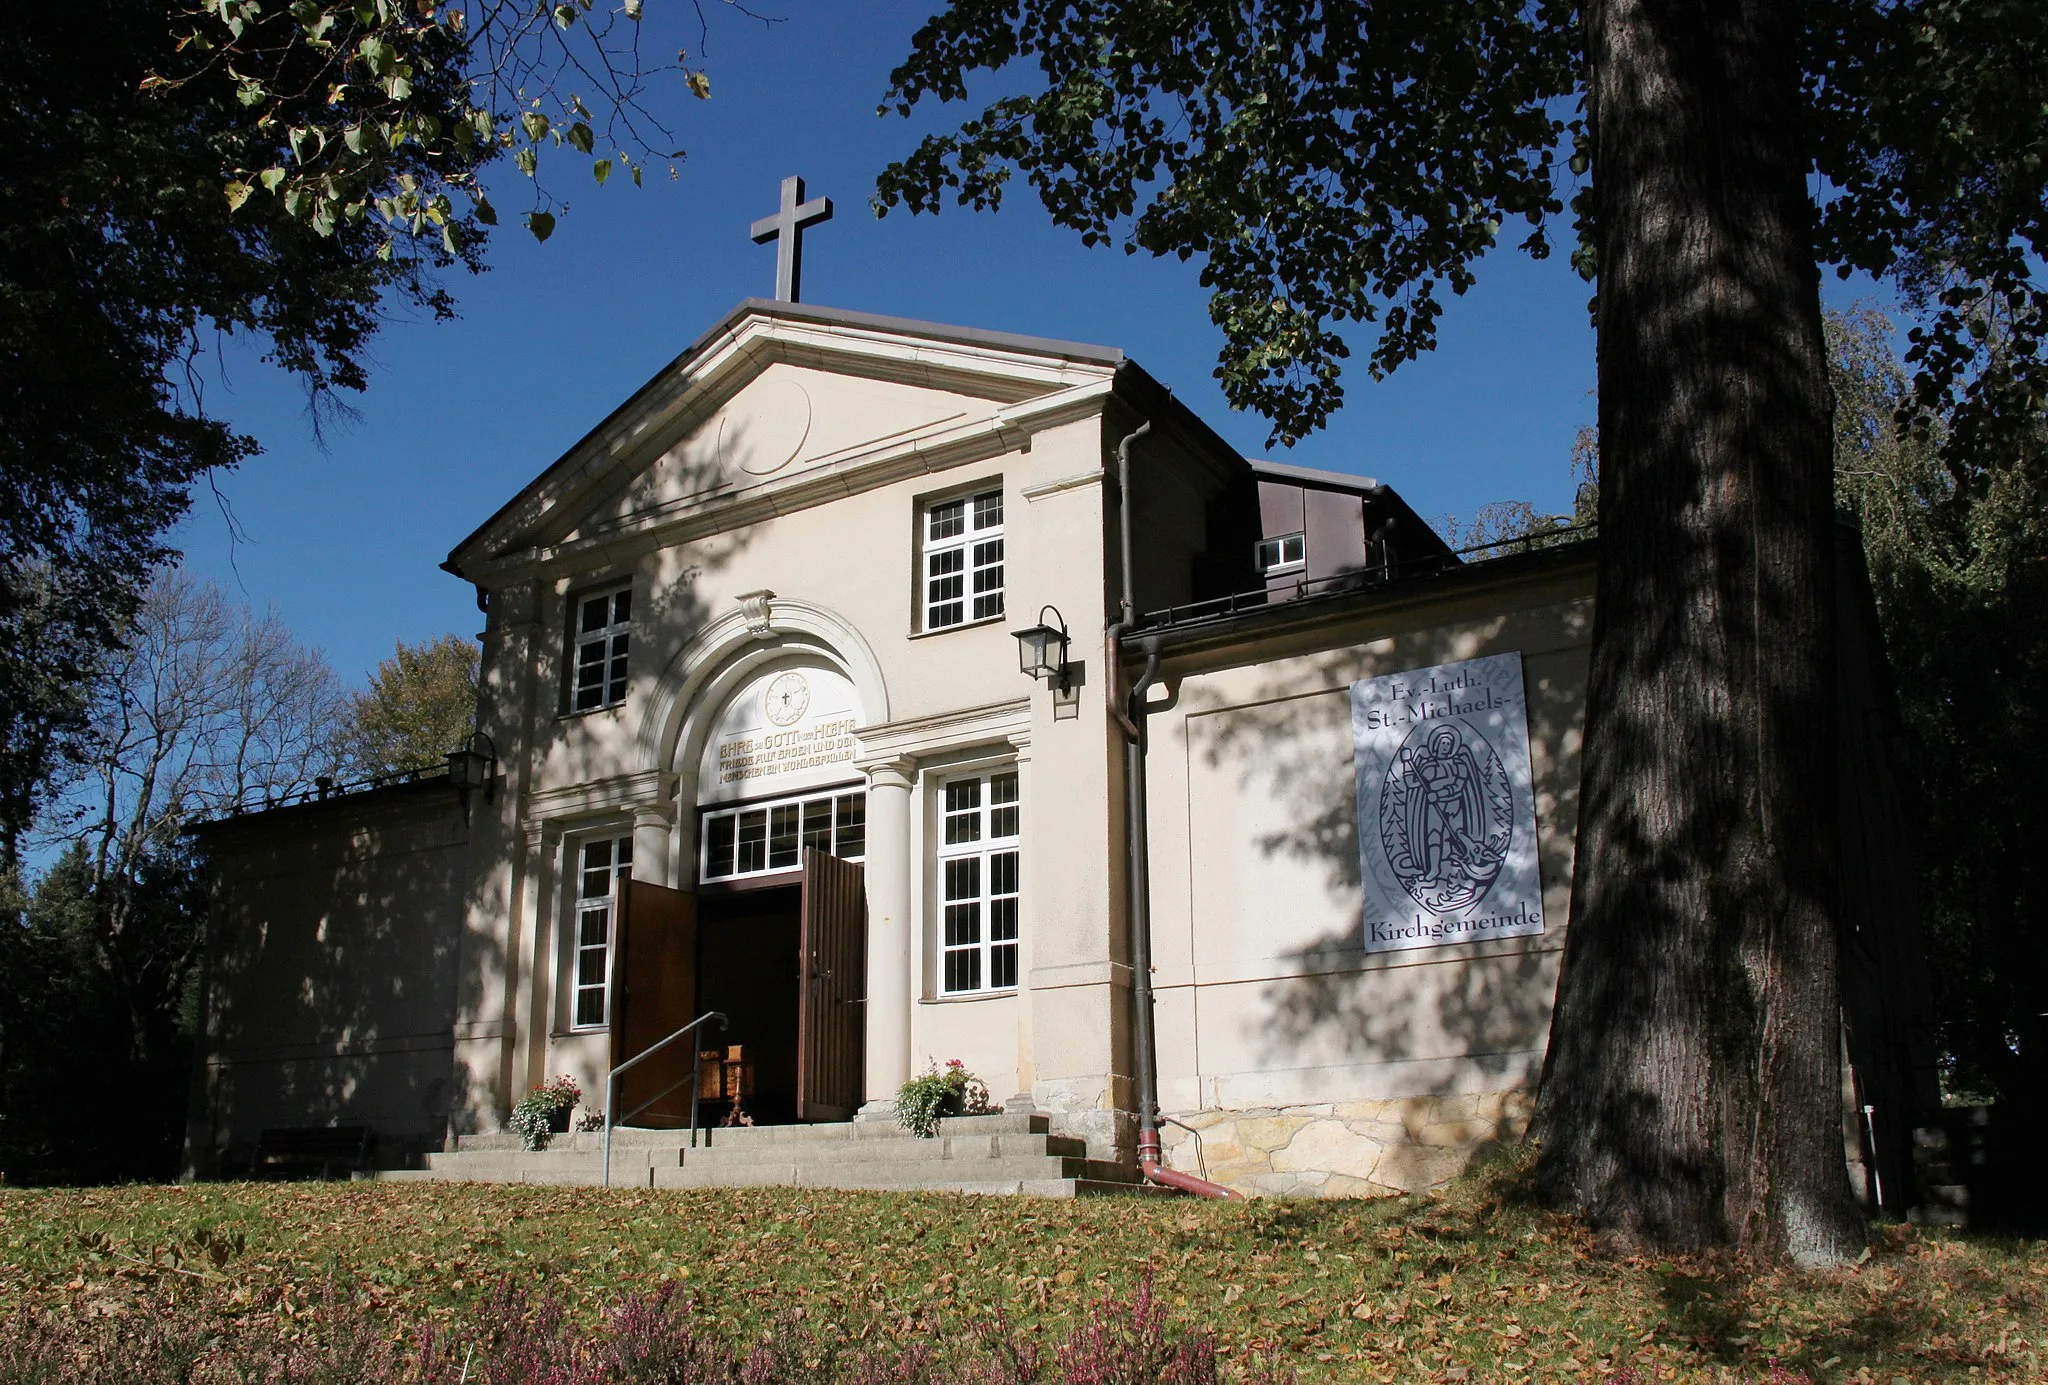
x=831, y=1010
x=654, y=993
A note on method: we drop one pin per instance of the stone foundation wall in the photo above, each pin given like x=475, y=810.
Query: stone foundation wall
x=1347, y=1148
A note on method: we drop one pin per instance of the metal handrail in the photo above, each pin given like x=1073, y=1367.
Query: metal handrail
x=611, y=1086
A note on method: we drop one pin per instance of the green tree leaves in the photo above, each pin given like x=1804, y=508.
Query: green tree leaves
x=1347, y=163
x=1957, y=544
x=1334, y=164
x=1931, y=131
x=349, y=96
x=289, y=170
x=81, y=996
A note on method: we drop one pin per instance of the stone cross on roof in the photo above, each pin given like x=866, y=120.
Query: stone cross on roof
x=786, y=228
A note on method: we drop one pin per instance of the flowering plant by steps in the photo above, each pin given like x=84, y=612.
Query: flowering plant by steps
x=534, y=1118
x=939, y=1092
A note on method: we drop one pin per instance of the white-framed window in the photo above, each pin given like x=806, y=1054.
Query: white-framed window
x=977, y=858
x=962, y=560
x=603, y=630
x=1288, y=553
x=602, y=865
x=762, y=838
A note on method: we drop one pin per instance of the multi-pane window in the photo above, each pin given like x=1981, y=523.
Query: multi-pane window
x=766, y=837
x=603, y=864
x=963, y=560
x=978, y=829
x=604, y=628
x=1284, y=554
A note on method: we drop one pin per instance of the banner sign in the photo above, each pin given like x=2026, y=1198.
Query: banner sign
x=1446, y=811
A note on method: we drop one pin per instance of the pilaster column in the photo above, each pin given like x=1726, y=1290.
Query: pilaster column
x=1027, y=1053
x=529, y=945
x=890, y=989
x=653, y=825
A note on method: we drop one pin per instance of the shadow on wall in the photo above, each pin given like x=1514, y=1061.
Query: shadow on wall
x=349, y=935
x=331, y=974
x=526, y=703
x=676, y=594
x=1479, y=1008
x=1338, y=1072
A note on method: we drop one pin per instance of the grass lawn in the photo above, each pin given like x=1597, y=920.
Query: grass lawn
x=1473, y=1285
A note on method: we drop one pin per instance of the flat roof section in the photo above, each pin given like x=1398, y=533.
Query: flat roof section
x=1335, y=480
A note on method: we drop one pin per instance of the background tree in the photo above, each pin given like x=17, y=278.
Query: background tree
x=288, y=170
x=1957, y=543
x=96, y=1038
x=1338, y=163
x=420, y=704
x=210, y=706
x=116, y=245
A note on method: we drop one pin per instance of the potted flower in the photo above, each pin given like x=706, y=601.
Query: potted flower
x=939, y=1092
x=543, y=1113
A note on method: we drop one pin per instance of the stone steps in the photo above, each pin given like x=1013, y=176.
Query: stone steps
x=1008, y=1154
x=911, y=1151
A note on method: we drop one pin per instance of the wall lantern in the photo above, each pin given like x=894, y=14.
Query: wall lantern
x=473, y=767
x=1042, y=649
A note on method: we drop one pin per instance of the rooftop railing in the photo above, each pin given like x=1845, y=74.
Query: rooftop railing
x=327, y=786
x=1359, y=579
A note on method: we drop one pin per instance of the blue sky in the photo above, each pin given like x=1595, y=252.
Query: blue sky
x=346, y=540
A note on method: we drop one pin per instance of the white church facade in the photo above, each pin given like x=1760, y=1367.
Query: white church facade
x=761, y=745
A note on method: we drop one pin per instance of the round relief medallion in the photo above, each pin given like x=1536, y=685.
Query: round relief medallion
x=787, y=698
x=763, y=433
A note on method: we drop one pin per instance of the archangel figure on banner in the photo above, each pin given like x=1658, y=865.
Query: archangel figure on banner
x=1447, y=817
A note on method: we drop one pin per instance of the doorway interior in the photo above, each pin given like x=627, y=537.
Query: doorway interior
x=749, y=967
x=784, y=962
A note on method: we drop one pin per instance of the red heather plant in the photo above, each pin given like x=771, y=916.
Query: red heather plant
x=1135, y=1348
x=523, y=1340
x=651, y=1337
x=520, y=1337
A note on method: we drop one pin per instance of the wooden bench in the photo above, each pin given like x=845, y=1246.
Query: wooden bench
x=321, y=1151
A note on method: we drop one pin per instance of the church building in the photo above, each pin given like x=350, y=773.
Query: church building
x=911, y=694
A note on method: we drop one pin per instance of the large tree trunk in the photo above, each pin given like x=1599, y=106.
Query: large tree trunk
x=1691, y=1096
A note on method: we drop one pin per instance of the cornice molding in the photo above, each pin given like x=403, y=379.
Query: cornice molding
x=1079, y=481
x=918, y=738
x=645, y=789
x=918, y=453
x=1480, y=592
x=690, y=391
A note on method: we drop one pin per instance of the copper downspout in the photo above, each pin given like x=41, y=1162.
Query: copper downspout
x=1127, y=616
x=1144, y=1050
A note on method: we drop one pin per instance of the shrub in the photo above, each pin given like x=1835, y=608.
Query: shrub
x=533, y=1117
x=937, y=1092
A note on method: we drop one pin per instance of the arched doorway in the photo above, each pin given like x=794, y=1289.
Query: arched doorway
x=780, y=832
x=752, y=727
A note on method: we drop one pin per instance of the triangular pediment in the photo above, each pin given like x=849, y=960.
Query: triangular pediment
x=786, y=423
x=778, y=399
